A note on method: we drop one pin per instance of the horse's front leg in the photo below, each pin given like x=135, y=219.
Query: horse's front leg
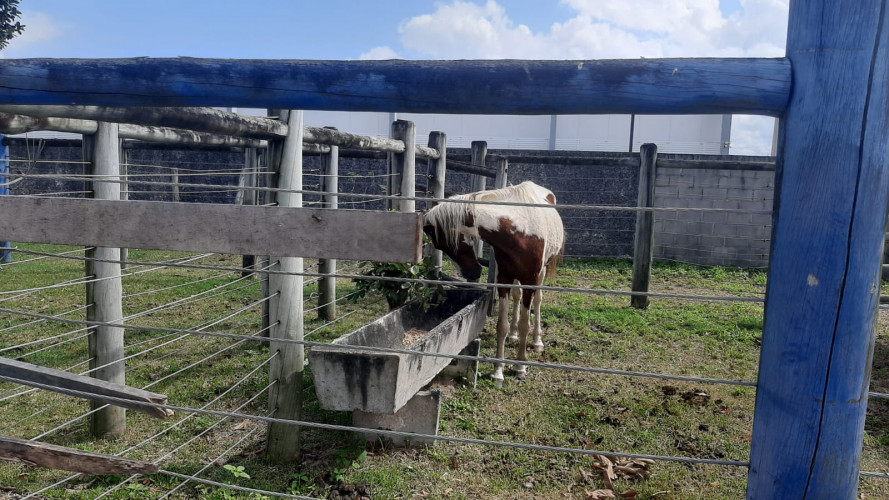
x=524, y=329
x=502, y=331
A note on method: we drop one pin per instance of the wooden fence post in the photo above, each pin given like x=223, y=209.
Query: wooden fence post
x=247, y=196
x=175, y=181
x=502, y=166
x=286, y=313
x=437, y=171
x=643, y=251
x=832, y=189
x=478, y=152
x=123, y=164
x=329, y=199
x=404, y=164
x=104, y=293
x=5, y=254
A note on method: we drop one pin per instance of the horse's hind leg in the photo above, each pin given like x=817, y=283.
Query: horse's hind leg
x=516, y=294
x=524, y=329
x=537, y=345
x=502, y=331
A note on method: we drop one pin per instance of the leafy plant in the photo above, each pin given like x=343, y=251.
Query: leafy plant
x=9, y=27
x=345, y=460
x=300, y=484
x=237, y=471
x=398, y=293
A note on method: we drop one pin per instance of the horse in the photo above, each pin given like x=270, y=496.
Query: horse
x=528, y=242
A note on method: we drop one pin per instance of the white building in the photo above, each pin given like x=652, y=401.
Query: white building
x=694, y=134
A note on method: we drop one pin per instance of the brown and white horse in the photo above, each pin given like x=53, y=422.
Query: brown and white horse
x=528, y=242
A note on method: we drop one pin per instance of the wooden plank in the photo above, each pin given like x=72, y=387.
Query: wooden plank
x=650, y=86
x=61, y=458
x=643, y=252
x=823, y=287
x=200, y=227
x=51, y=379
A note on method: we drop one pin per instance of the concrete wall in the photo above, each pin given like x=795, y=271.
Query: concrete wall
x=700, y=237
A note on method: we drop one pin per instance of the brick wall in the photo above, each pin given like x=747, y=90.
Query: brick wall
x=713, y=238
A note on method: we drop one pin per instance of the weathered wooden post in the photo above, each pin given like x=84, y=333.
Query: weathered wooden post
x=329, y=199
x=247, y=196
x=5, y=254
x=502, y=166
x=286, y=312
x=478, y=152
x=123, y=165
x=643, y=251
x=104, y=291
x=175, y=180
x=436, y=182
x=404, y=164
x=824, y=270
x=437, y=171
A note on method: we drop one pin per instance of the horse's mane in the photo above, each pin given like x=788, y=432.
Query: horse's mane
x=448, y=218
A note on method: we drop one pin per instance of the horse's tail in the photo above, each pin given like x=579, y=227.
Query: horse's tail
x=554, y=262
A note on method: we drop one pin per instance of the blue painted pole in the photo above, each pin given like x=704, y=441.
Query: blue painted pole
x=824, y=280
x=641, y=86
x=5, y=255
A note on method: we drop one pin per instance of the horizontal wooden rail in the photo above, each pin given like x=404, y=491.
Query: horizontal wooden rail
x=28, y=374
x=200, y=227
x=61, y=458
x=18, y=124
x=646, y=86
x=186, y=118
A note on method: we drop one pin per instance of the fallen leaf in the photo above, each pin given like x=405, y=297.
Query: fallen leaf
x=244, y=424
x=599, y=494
x=629, y=494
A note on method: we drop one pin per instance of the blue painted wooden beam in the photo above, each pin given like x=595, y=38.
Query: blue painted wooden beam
x=646, y=86
x=833, y=179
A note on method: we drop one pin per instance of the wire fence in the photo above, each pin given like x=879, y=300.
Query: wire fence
x=170, y=350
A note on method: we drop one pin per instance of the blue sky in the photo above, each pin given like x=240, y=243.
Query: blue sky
x=412, y=29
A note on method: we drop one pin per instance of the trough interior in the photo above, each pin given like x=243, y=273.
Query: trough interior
x=389, y=331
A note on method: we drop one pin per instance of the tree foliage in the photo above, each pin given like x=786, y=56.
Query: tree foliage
x=10, y=27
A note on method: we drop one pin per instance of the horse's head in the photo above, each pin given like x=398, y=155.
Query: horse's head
x=455, y=242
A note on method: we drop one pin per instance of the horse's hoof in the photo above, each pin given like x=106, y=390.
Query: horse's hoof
x=520, y=371
x=513, y=338
x=498, y=382
x=535, y=347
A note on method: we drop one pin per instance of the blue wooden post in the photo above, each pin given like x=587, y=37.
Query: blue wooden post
x=5, y=255
x=830, y=214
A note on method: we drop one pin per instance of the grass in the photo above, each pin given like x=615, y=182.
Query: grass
x=551, y=407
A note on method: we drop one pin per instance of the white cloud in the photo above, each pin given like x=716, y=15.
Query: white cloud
x=379, y=53
x=598, y=29
x=39, y=27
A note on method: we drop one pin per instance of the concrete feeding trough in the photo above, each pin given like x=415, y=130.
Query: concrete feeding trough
x=348, y=379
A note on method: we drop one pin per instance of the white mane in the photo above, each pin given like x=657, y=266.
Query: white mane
x=543, y=222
